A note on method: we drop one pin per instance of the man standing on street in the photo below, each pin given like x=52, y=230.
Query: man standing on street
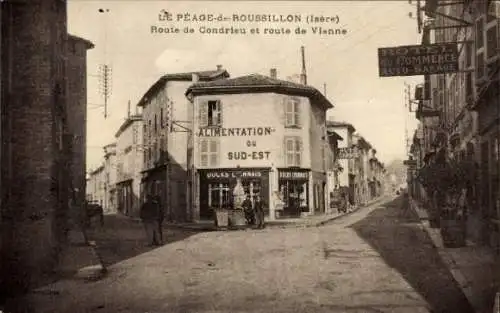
x=150, y=211
x=259, y=212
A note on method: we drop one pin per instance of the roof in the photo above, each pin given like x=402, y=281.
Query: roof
x=97, y=170
x=187, y=76
x=362, y=141
x=89, y=44
x=255, y=83
x=335, y=135
x=330, y=123
x=127, y=123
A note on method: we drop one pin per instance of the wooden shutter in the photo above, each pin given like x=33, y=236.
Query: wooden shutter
x=203, y=113
x=298, y=151
x=287, y=150
x=219, y=105
x=296, y=111
x=288, y=108
x=204, y=153
x=213, y=149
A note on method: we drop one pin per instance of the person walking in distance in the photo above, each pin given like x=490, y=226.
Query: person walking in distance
x=259, y=212
x=150, y=215
x=161, y=217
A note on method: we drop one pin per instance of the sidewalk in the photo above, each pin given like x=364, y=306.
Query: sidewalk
x=473, y=267
x=301, y=222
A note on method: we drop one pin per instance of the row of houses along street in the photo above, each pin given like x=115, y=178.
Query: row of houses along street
x=192, y=133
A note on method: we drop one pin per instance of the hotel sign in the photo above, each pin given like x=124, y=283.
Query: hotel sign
x=347, y=153
x=417, y=60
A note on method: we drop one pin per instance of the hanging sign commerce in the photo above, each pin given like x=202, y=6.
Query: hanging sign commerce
x=417, y=60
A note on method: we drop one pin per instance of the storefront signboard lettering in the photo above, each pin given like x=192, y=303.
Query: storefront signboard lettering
x=293, y=175
x=233, y=174
x=235, y=131
x=248, y=155
x=417, y=60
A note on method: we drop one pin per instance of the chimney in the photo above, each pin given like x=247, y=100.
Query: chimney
x=195, y=77
x=273, y=73
x=219, y=67
x=303, y=75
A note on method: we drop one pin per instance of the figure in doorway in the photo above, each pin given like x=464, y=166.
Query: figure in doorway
x=259, y=212
x=150, y=215
x=248, y=209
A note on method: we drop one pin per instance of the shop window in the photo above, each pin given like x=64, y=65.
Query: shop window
x=294, y=195
x=292, y=112
x=293, y=151
x=209, y=152
x=219, y=195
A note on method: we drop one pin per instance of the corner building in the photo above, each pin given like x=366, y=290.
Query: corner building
x=270, y=131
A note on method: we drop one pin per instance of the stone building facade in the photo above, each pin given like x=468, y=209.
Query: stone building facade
x=166, y=132
x=269, y=131
x=36, y=156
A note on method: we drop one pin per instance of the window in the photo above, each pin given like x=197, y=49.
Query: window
x=209, y=153
x=162, y=124
x=491, y=42
x=293, y=153
x=480, y=65
x=479, y=33
x=156, y=124
x=468, y=54
x=219, y=195
x=149, y=129
x=292, y=112
x=210, y=114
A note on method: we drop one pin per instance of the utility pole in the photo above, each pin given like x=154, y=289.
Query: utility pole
x=105, y=70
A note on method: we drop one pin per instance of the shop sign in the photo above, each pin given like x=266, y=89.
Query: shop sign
x=235, y=131
x=233, y=174
x=300, y=175
x=347, y=153
x=440, y=58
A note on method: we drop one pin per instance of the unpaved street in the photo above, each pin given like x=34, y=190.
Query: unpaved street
x=375, y=260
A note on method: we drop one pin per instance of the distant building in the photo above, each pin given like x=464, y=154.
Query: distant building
x=271, y=132
x=129, y=163
x=110, y=200
x=96, y=186
x=333, y=167
x=361, y=167
x=346, y=173
x=166, y=132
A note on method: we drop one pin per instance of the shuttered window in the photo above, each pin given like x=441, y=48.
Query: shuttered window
x=209, y=153
x=293, y=151
x=210, y=113
x=292, y=112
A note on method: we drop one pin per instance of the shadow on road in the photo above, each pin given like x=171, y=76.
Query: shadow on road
x=394, y=232
x=119, y=239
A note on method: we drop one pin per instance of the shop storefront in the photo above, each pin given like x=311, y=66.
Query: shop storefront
x=216, y=187
x=294, y=190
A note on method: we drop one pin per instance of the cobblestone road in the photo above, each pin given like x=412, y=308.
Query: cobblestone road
x=375, y=260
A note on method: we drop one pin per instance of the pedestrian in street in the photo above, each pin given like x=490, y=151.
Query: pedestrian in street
x=259, y=212
x=248, y=209
x=161, y=217
x=149, y=215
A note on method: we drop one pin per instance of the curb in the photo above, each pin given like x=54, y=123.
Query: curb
x=446, y=257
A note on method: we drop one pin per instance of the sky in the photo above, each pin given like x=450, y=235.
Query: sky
x=346, y=64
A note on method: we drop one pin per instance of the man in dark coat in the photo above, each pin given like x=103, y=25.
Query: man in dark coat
x=259, y=212
x=150, y=212
x=248, y=209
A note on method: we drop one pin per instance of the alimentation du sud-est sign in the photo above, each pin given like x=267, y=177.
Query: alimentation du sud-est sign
x=417, y=60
